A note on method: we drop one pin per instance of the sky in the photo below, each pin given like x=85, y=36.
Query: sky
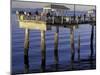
x=27, y=4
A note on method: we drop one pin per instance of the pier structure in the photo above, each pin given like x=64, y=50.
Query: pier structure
x=32, y=24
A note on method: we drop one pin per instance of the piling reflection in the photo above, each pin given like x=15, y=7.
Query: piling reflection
x=91, y=61
x=26, y=48
x=56, y=38
x=43, y=51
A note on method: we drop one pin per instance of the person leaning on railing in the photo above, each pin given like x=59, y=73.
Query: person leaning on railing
x=37, y=17
x=29, y=16
x=21, y=15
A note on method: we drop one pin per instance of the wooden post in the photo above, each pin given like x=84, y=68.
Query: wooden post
x=91, y=40
x=56, y=47
x=79, y=47
x=74, y=13
x=72, y=44
x=26, y=47
x=91, y=46
x=52, y=19
x=43, y=47
x=62, y=20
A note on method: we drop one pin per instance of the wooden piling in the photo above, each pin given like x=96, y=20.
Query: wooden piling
x=91, y=40
x=26, y=48
x=43, y=49
x=56, y=47
x=52, y=19
x=62, y=20
x=72, y=43
x=78, y=47
x=74, y=13
x=72, y=48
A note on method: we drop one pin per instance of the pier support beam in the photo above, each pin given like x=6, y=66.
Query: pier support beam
x=53, y=20
x=74, y=13
x=91, y=46
x=91, y=40
x=61, y=19
x=26, y=48
x=78, y=47
x=56, y=46
x=72, y=45
x=43, y=49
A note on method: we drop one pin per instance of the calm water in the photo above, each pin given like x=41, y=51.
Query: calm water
x=64, y=50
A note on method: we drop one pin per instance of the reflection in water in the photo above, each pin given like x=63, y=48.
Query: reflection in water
x=56, y=38
x=26, y=62
x=72, y=46
x=26, y=48
x=91, y=61
x=56, y=59
x=43, y=49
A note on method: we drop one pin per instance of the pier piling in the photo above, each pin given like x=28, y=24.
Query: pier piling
x=53, y=19
x=26, y=48
x=72, y=47
x=79, y=47
x=91, y=40
x=56, y=46
x=43, y=49
x=72, y=43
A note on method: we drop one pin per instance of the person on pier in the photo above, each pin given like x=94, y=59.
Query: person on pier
x=37, y=15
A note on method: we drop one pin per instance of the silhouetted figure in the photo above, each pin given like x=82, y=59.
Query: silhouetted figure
x=48, y=14
x=79, y=17
x=21, y=15
x=37, y=15
x=84, y=17
x=29, y=16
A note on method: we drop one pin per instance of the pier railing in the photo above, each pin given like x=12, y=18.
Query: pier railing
x=60, y=19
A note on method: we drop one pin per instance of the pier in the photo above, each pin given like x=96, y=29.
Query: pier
x=43, y=25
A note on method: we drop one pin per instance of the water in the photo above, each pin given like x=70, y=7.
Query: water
x=64, y=50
